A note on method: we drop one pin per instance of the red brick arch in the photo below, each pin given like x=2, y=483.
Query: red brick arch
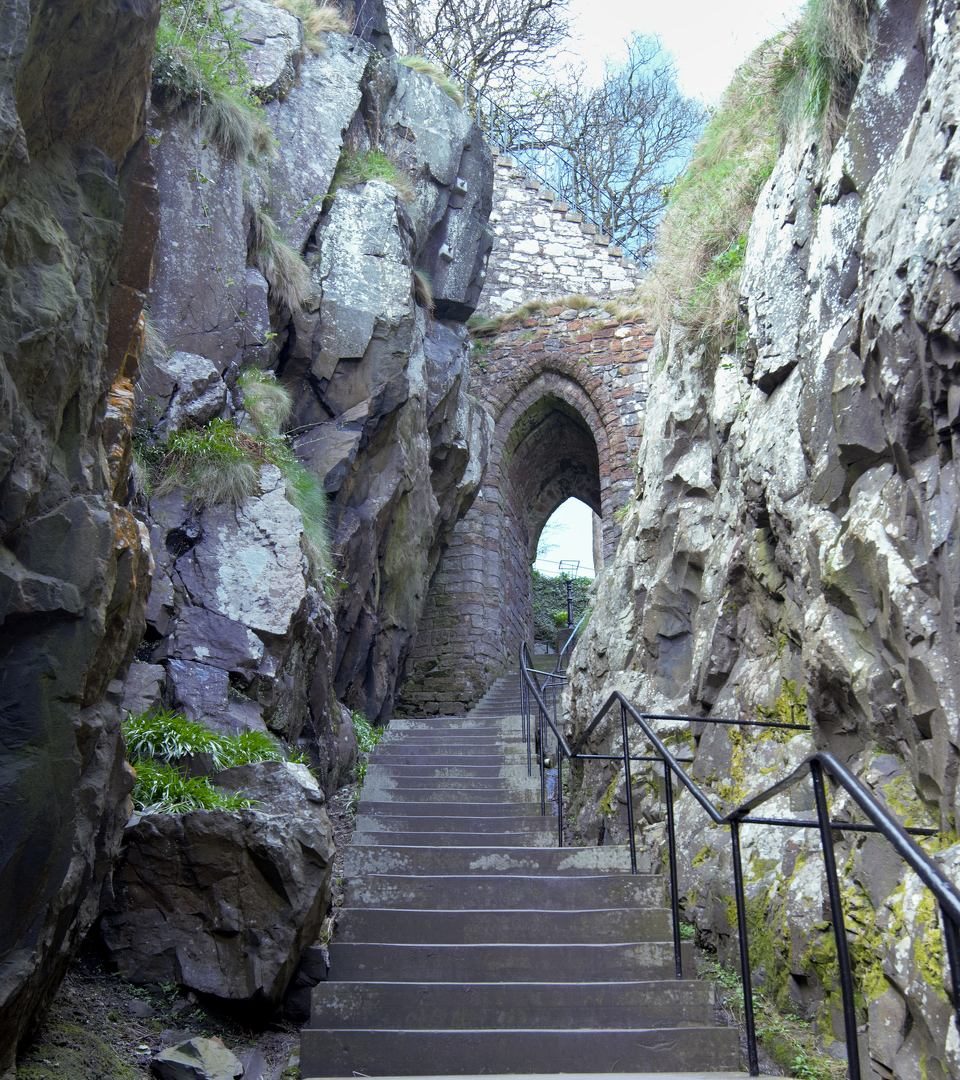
x=565, y=393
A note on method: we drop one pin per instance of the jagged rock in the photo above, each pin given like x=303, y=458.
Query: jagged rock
x=74, y=565
x=276, y=41
x=180, y=389
x=794, y=545
x=199, y=1058
x=221, y=902
x=248, y=566
x=309, y=125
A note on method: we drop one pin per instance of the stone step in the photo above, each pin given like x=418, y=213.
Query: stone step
x=518, y=838
x=501, y=891
x=402, y=926
x=405, y=756
x=367, y=821
x=378, y=788
x=699, y=1074
x=427, y=808
x=675, y=1002
x=410, y=770
x=342, y=1052
x=490, y=859
x=388, y=962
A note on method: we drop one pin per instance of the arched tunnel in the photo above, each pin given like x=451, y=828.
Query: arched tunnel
x=560, y=430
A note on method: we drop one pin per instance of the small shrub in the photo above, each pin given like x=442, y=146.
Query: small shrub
x=361, y=166
x=437, y=74
x=266, y=400
x=288, y=276
x=316, y=19
x=168, y=736
x=215, y=464
x=198, y=65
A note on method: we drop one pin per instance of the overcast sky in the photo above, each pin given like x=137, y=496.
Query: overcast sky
x=707, y=39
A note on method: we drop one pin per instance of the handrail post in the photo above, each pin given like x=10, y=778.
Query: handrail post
x=836, y=914
x=629, y=786
x=674, y=881
x=540, y=751
x=748, y=1019
x=559, y=796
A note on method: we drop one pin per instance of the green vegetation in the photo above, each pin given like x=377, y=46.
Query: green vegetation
x=703, y=235
x=367, y=737
x=787, y=1038
x=821, y=63
x=199, y=66
x=623, y=310
x=288, y=276
x=550, y=600
x=316, y=19
x=220, y=463
x=158, y=743
x=361, y=166
x=437, y=74
x=215, y=464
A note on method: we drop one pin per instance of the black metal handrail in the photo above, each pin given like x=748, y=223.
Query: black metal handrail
x=819, y=764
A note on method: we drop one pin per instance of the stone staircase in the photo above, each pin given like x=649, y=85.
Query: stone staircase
x=469, y=943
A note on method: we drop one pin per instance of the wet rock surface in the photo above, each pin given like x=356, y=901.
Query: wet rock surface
x=792, y=551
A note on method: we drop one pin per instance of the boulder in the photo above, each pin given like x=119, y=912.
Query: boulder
x=219, y=902
x=197, y=1059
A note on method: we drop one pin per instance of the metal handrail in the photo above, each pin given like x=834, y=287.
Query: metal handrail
x=817, y=765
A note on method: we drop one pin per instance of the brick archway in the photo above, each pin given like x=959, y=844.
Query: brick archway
x=564, y=394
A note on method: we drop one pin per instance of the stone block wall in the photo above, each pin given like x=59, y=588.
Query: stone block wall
x=565, y=392
x=544, y=249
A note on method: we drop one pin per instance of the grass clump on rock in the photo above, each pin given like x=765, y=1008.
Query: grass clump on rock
x=287, y=275
x=361, y=166
x=316, y=19
x=433, y=71
x=198, y=66
x=702, y=239
x=215, y=464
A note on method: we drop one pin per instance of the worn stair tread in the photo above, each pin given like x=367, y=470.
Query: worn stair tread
x=698, y=1075
x=523, y=926
x=373, y=1051
x=485, y=858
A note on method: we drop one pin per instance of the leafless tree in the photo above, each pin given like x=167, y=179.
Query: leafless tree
x=613, y=149
x=496, y=48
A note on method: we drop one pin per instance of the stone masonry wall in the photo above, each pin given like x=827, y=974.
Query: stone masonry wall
x=545, y=249
x=565, y=394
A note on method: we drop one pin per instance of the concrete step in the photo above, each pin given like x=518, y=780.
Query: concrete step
x=403, y=822
x=404, y=926
x=490, y=859
x=518, y=838
x=339, y=1052
x=675, y=1002
x=388, y=962
x=387, y=789
x=426, y=808
x=397, y=755
x=700, y=1074
x=502, y=891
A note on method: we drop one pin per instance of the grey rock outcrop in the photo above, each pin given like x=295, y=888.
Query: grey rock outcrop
x=197, y=1059
x=74, y=563
x=793, y=549
x=224, y=902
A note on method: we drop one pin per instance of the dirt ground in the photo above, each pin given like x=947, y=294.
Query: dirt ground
x=101, y=1027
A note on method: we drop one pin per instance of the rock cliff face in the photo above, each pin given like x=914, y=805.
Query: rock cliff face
x=377, y=378
x=795, y=541
x=74, y=562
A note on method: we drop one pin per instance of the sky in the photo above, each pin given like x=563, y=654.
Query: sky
x=708, y=40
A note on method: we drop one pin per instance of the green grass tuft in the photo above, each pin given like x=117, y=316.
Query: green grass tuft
x=267, y=401
x=702, y=239
x=361, y=166
x=215, y=464
x=198, y=66
x=433, y=71
x=288, y=276
x=162, y=789
x=367, y=735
